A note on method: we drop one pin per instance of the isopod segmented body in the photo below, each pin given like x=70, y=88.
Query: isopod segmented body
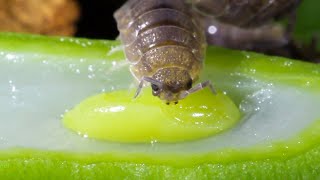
x=164, y=44
x=249, y=24
x=244, y=13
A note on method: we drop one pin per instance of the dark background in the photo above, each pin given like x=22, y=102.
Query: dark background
x=96, y=19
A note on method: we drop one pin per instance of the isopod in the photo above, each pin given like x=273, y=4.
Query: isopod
x=245, y=13
x=165, y=45
x=165, y=40
x=248, y=24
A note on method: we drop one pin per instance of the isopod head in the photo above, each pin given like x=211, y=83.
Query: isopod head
x=171, y=83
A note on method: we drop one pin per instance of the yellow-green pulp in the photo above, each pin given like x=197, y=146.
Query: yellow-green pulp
x=278, y=137
x=116, y=116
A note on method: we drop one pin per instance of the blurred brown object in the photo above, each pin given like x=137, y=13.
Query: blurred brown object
x=49, y=17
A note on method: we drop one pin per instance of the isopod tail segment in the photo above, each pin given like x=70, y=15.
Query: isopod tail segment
x=183, y=95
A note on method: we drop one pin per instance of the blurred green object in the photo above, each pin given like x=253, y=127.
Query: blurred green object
x=308, y=23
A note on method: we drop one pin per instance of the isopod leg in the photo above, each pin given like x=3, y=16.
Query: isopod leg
x=147, y=79
x=201, y=86
x=139, y=88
